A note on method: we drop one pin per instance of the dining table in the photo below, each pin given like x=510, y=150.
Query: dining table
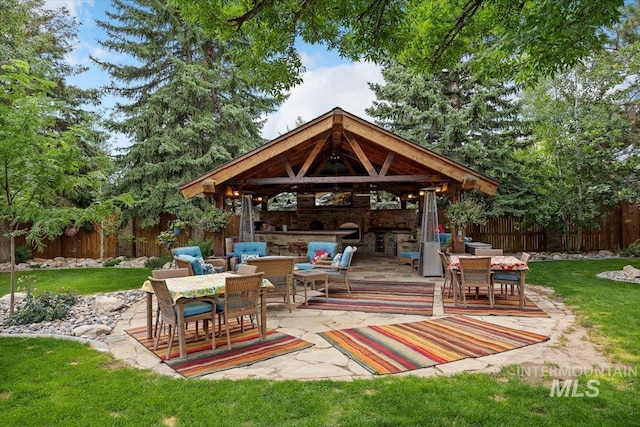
x=506, y=263
x=194, y=287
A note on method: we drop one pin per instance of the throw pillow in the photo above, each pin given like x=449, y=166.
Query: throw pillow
x=335, y=262
x=245, y=257
x=318, y=255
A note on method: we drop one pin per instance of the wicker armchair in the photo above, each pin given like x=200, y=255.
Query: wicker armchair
x=475, y=272
x=338, y=269
x=193, y=311
x=279, y=271
x=241, y=297
x=166, y=274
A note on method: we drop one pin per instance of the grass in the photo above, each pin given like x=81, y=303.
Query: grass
x=59, y=382
x=84, y=281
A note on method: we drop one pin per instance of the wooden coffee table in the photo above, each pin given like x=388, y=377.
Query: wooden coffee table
x=310, y=277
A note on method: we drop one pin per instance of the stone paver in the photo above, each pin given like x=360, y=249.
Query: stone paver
x=567, y=345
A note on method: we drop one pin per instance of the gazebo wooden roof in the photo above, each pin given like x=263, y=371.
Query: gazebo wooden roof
x=336, y=152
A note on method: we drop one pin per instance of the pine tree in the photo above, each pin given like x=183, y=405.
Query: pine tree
x=474, y=122
x=188, y=110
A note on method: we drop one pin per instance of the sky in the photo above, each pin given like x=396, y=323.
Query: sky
x=328, y=82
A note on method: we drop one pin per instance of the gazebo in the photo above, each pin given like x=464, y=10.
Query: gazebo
x=333, y=165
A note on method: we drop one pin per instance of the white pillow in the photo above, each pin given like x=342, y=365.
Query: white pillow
x=335, y=262
x=245, y=257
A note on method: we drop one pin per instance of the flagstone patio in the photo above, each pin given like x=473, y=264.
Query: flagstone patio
x=567, y=347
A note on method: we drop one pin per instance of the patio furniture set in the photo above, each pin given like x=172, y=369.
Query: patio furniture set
x=188, y=294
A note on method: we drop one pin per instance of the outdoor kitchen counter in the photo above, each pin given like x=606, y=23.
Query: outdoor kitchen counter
x=278, y=241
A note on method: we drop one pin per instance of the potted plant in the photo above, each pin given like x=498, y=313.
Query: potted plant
x=214, y=220
x=178, y=225
x=167, y=238
x=462, y=214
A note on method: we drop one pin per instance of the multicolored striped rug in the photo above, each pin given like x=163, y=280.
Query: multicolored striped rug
x=404, y=347
x=504, y=305
x=378, y=297
x=246, y=349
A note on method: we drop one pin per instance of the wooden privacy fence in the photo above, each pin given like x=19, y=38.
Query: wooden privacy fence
x=621, y=229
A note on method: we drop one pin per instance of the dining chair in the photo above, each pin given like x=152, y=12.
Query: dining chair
x=166, y=274
x=241, y=297
x=203, y=309
x=448, y=274
x=506, y=278
x=279, y=271
x=475, y=272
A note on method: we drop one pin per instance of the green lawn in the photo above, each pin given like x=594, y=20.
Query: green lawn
x=58, y=382
x=82, y=280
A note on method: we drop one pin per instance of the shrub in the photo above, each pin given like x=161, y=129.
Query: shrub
x=46, y=307
x=111, y=262
x=206, y=246
x=158, y=262
x=632, y=251
x=23, y=254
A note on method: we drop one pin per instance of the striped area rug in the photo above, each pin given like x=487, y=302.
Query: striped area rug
x=504, y=305
x=378, y=297
x=404, y=347
x=246, y=349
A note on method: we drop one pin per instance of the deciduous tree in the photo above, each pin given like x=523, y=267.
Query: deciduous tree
x=523, y=39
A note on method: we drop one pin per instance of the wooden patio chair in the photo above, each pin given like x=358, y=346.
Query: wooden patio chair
x=279, y=271
x=475, y=272
x=506, y=278
x=202, y=309
x=448, y=274
x=166, y=274
x=241, y=297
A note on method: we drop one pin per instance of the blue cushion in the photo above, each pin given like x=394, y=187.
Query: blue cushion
x=195, y=308
x=193, y=251
x=511, y=277
x=313, y=247
x=240, y=248
x=304, y=265
x=346, y=257
x=409, y=254
x=196, y=265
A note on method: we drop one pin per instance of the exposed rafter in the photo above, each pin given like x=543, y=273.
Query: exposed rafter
x=338, y=149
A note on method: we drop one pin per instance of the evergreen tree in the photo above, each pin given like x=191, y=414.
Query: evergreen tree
x=189, y=108
x=475, y=122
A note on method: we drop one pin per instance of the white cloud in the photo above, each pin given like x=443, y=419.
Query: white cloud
x=323, y=89
x=75, y=7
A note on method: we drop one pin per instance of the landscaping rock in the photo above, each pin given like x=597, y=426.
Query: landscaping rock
x=91, y=331
x=106, y=304
x=631, y=272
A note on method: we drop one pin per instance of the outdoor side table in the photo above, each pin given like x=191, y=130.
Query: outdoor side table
x=310, y=277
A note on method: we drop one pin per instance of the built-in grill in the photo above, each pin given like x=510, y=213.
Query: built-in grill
x=354, y=236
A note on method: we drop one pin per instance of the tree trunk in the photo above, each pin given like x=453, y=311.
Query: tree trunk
x=12, y=274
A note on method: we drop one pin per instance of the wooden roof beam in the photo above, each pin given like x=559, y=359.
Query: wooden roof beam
x=317, y=148
x=387, y=163
x=357, y=149
x=338, y=179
